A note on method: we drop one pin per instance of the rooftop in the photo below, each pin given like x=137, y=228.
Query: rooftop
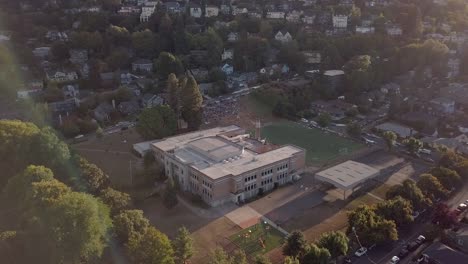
x=333, y=73
x=444, y=254
x=347, y=174
x=401, y=130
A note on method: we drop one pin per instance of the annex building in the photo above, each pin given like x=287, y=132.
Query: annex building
x=224, y=164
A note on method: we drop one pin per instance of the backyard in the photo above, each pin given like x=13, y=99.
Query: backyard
x=320, y=146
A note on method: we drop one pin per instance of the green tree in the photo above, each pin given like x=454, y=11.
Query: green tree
x=324, y=120
x=316, y=255
x=390, y=139
x=354, y=129
x=239, y=257
x=295, y=244
x=173, y=90
x=358, y=73
x=371, y=227
x=45, y=193
x=115, y=200
x=76, y=228
x=291, y=260
x=397, y=209
x=145, y=43
x=60, y=51
x=409, y=191
x=191, y=102
x=219, y=256
x=431, y=187
x=335, y=242
x=157, y=122
x=447, y=177
x=170, y=195
x=167, y=64
x=260, y=259
x=118, y=59
x=183, y=246
x=413, y=145
x=152, y=247
x=118, y=35
x=93, y=177
x=130, y=223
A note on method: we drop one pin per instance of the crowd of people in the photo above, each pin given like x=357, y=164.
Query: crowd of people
x=216, y=110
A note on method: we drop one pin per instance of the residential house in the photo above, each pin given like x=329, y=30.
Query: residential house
x=323, y=18
x=346, y=3
x=54, y=35
x=107, y=78
x=294, y=16
x=65, y=106
x=29, y=93
x=41, y=52
x=151, y=100
x=84, y=71
x=129, y=10
x=340, y=21
x=275, y=15
x=211, y=11
x=78, y=56
x=312, y=57
x=227, y=69
x=365, y=30
x=233, y=37
x=103, y=111
x=198, y=57
x=195, y=10
x=309, y=17
x=283, y=36
x=173, y=7
x=254, y=13
x=309, y=2
x=275, y=69
x=142, y=65
x=228, y=54
x=70, y=91
x=239, y=10
x=129, y=107
x=61, y=76
x=199, y=74
x=125, y=78
x=225, y=9
x=454, y=67
x=457, y=92
x=393, y=30
x=334, y=80
x=147, y=11
x=443, y=105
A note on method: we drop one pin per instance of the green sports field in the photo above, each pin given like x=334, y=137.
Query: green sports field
x=320, y=146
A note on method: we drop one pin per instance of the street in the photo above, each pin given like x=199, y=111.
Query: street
x=383, y=255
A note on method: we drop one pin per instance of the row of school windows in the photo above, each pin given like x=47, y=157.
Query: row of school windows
x=207, y=184
x=267, y=172
x=282, y=167
x=267, y=181
x=207, y=194
x=194, y=186
x=282, y=176
x=253, y=177
x=251, y=187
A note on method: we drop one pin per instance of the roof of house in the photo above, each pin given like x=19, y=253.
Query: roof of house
x=142, y=61
x=444, y=254
x=333, y=73
x=401, y=130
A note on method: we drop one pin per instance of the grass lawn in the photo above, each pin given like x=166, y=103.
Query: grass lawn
x=249, y=239
x=320, y=147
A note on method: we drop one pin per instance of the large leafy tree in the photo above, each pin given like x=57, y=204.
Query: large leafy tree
x=219, y=256
x=145, y=43
x=191, y=103
x=115, y=200
x=336, y=242
x=413, y=145
x=295, y=244
x=152, y=247
x=316, y=255
x=447, y=177
x=183, y=246
x=396, y=209
x=170, y=199
x=157, y=122
x=167, y=64
x=173, y=90
x=431, y=187
x=444, y=217
x=130, y=223
x=358, y=72
x=371, y=227
x=92, y=176
x=410, y=191
x=76, y=228
x=291, y=260
x=260, y=259
x=390, y=139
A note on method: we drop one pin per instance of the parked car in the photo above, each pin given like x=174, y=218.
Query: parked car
x=462, y=207
x=361, y=251
x=413, y=246
x=420, y=239
x=395, y=260
x=403, y=253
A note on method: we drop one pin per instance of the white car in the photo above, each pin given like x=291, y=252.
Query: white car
x=395, y=260
x=421, y=239
x=361, y=251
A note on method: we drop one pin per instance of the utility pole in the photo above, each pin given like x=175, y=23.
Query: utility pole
x=360, y=245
